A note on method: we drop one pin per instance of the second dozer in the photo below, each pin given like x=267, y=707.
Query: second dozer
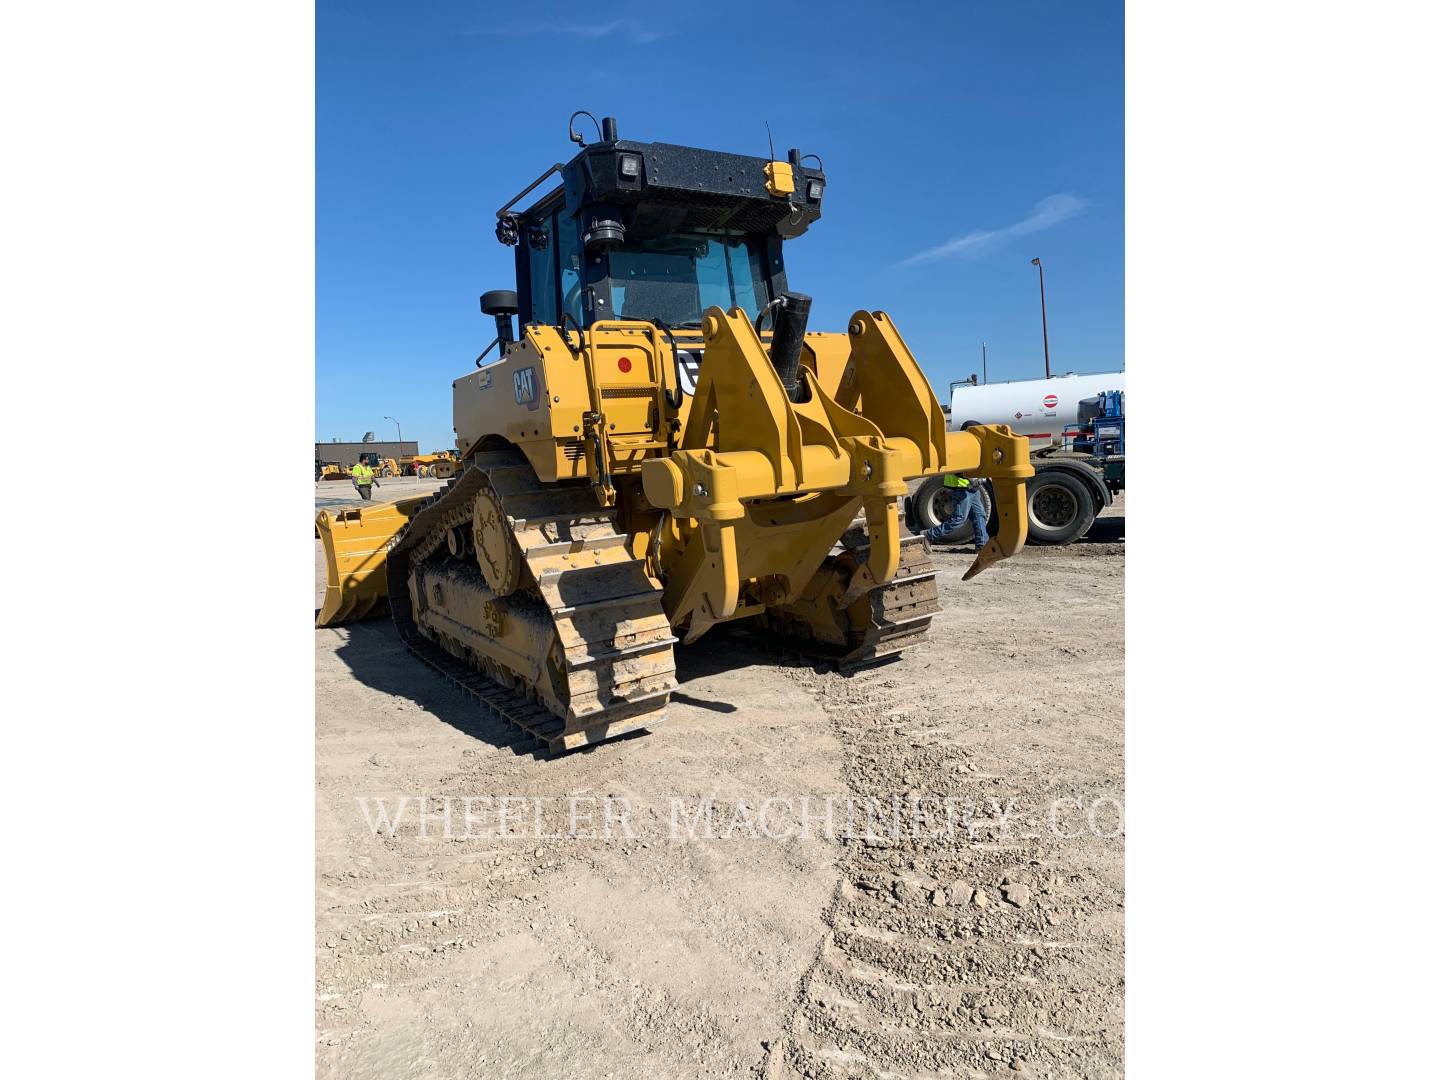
x=663, y=448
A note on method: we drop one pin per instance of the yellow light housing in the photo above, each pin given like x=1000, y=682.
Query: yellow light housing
x=779, y=178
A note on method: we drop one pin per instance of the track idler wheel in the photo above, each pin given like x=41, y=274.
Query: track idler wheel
x=495, y=548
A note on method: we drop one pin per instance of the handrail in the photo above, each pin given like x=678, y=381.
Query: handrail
x=533, y=185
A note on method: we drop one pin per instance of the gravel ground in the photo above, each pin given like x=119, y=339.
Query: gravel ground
x=974, y=928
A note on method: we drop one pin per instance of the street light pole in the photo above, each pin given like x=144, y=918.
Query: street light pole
x=397, y=428
x=984, y=364
x=1044, y=326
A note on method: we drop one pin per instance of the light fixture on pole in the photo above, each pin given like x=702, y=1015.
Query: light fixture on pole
x=397, y=428
x=1044, y=326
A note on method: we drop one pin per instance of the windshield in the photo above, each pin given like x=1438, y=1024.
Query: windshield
x=677, y=278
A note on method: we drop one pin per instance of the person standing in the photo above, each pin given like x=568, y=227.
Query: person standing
x=363, y=476
x=967, y=506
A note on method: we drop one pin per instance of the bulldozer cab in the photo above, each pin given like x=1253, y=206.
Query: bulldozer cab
x=655, y=232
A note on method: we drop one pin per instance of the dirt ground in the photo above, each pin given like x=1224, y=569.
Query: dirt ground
x=959, y=912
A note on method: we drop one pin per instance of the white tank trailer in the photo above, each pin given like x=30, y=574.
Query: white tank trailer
x=1069, y=489
x=1039, y=408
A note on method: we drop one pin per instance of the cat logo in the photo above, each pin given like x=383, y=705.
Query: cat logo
x=525, y=388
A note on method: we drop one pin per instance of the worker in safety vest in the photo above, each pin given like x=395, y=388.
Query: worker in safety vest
x=363, y=476
x=967, y=506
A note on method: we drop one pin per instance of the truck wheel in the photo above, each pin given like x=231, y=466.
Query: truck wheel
x=1060, y=506
x=933, y=503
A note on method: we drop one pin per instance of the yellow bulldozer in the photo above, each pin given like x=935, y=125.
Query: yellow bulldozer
x=663, y=448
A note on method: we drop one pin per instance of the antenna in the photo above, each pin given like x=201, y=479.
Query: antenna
x=771, y=138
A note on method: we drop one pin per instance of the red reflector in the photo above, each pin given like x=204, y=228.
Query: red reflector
x=624, y=363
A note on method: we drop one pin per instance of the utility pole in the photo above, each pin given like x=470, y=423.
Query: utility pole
x=984, y=364
x=1044, y=327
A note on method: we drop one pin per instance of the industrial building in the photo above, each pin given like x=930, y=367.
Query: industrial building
x=347, y=454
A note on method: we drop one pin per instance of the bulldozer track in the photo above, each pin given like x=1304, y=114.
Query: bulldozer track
x=613, y=646
x=617, y=644
x=899, y=611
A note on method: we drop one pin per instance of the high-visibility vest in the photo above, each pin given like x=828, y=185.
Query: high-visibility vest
x=362, y=473
x=954, y=481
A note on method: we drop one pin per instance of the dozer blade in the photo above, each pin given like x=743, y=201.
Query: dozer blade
x=355, y=542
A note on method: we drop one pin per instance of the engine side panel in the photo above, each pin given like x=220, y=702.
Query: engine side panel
x=538, y=396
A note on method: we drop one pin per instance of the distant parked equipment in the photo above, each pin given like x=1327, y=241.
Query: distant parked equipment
x=441, y=464
x=345, y=454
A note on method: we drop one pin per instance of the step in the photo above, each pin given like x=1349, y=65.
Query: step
x=553, y=504
x=611, y=655
x=569, y=547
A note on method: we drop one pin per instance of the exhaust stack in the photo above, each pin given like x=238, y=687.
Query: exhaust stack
x=792, y=315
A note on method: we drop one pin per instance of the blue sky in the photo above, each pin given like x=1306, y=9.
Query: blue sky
x=959, y=140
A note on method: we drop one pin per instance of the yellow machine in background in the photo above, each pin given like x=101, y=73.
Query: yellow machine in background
x=384, y=468
x=664, y=448
x=441, y=464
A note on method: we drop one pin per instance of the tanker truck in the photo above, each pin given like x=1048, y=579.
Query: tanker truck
x=1075, y=425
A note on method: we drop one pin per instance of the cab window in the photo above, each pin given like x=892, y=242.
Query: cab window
x=679, y=277
x=572, y=266
x=540, y=243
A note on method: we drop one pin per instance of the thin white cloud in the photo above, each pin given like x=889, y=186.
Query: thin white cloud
x=632, y=30
x=1049, y=211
